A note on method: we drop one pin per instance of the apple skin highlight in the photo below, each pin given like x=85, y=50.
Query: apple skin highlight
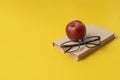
x=75, y=30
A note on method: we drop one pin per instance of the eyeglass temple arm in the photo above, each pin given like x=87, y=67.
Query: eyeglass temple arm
x=68, y=49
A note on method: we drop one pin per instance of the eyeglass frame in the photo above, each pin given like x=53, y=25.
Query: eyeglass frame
x=80, y=42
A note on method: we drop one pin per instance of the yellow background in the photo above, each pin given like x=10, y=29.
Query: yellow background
x=28, y=28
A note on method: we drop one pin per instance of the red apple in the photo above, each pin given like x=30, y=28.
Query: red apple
x=75, y=30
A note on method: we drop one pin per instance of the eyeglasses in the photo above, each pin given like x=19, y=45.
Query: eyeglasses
x=90, y=42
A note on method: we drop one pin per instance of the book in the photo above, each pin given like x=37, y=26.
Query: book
x=91, y=30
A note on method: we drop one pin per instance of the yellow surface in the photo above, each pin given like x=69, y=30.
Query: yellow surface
x=28, y=28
